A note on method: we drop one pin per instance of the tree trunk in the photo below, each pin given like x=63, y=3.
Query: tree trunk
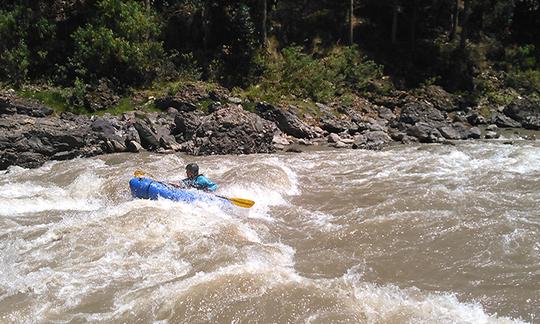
x=394, y=22
x=205, y=24
x=464, y=22
x=413, y=24
x=264, y=17
x=351, y=23
x=454, y=20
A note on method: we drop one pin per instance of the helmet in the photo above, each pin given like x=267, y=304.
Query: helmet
x=193, y=168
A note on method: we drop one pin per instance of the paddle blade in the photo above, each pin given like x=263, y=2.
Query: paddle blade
x=139, y=173
x=240, y=202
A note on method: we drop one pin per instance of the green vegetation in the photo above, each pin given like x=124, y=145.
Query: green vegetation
x=119, y=43
x=53, y=98
x=291, y=51
x=59, y=101
x=295, y=74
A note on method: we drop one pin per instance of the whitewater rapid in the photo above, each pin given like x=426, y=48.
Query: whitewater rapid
x=418, y=234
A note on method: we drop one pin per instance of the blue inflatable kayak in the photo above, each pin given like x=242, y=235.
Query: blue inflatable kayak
x=145, y=188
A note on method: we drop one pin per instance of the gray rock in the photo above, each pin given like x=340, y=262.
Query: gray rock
x=340, y=145
x=134, y=147
x=476, y=119
x=456, y=131
x=440, y=99
x=10, y=104
x=233, y=130
x=386, y=113
x=359, y=141
x=235, y=100
x=524, y=111
x=286, y=121
x=415, y=112
x=425, y=133
x=491, y=135
x=332, y=124
x=186, y=124
x=505, y=121
x=149, y=139
x=475, y=133
x=492, y=128
x=279, y=139
x=178, y=103
x=334, y=138
x=116, y=146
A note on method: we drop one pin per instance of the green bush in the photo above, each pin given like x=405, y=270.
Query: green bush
x=14, y=63
x=120, y=43
x=177, y=66
x=527, y=81
x=26, y=37
x=297, y=74
x=520, y=57
x=78, y=92
x=523, y=70
x=14, y=54
x=351, y=69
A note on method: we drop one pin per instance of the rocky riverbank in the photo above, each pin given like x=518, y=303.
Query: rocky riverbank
x=31, y=133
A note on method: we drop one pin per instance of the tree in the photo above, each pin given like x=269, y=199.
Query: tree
x=119, y=43
x=351, y=22
x=263, y=25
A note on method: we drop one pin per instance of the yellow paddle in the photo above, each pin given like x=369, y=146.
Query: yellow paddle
x=240, y=202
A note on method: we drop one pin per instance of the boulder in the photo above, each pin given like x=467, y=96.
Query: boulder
x=421, y=111
x=386, y=113
x=524, y=111
x=475, y=133
x=440, y=99
x=286, y=121
x=149, y=139
x=10, y=104
x=505, y=121
x=334, y=138
x=456, y=131
x=233, y=130
x=133, y=146
x=491, y=135
x=332, y=124
x=425, y=133
x=492, y=128
x=186, y=124
x=178, y=103
x=475, y=118
x=101, y=97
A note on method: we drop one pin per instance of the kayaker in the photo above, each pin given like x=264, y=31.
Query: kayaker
x=196, y=180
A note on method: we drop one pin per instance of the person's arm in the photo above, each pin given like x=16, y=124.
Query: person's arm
x=186, y=183
x=206, y=184
x=177, y=184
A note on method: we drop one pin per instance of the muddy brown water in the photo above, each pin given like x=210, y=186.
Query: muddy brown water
x=410, y=234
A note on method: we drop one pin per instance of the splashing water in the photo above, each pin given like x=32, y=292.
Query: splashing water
x=416, y=234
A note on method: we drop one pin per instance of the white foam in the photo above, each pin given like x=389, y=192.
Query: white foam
x=29, y=197
x=390, y=304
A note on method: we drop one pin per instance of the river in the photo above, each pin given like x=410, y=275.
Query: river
x=409, y=234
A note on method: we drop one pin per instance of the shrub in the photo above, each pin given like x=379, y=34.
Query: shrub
x=120, y=43
x=14, y=54
x=351, y=69
x=523, y=71
x=297, y=74
x=26, y=36
x=78, y=92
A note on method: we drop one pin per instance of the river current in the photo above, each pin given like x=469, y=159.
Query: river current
x=409, y=234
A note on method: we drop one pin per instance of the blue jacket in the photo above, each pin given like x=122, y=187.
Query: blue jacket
x=200, y=182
